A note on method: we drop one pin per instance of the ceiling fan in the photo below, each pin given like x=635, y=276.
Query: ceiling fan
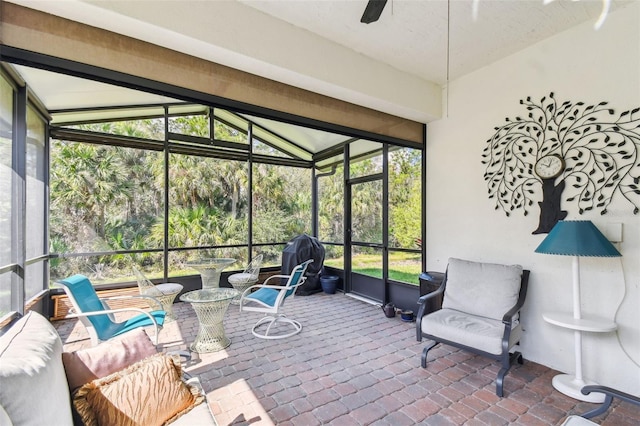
x=373, y=11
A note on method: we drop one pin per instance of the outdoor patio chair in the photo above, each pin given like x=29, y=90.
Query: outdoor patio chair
x=269, y=299
x=165, y=293
x=480, y=312
x=99, y=319
x=582, y=420
x=241, y=281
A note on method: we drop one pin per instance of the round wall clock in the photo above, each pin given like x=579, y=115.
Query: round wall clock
x=549, y=166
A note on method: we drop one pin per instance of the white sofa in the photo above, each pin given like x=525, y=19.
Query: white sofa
x=33, y=384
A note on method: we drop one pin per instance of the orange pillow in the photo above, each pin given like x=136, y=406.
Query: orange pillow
x=150, y=392
x=108, y=357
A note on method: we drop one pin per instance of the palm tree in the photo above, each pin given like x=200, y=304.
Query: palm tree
x=233, y=183
x=85, y=179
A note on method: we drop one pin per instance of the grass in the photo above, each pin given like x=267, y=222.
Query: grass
x=404, y=267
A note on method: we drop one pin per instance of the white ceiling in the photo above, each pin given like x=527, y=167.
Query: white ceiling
x=411, y=35
x=397, y=64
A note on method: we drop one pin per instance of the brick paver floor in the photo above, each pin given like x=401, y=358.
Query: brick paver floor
x=351, y=365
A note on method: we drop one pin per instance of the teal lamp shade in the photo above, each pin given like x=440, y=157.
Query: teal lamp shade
x=577, y=238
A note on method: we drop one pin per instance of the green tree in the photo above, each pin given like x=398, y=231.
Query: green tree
x=405, y=171
x=331, y=207
x=85, y=179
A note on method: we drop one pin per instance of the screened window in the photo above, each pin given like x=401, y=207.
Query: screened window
x=192, y=125
x=104, y=198
x=6, y=180
x=405, y=214
x=36, y=198
x=149, y=129
x=226, y=132
x=331, y=207
x=331, y=216
x=207, y=201
x=367, y=261
x=281, y=205
x=366, y=212
x=405, y=183
x=6, y=172
x=366, y=158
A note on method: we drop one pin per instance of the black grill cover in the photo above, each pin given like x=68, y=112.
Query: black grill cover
x=301, y=248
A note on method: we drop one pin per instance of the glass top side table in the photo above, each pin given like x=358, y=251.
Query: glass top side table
x=210, y=269
x=210, y=306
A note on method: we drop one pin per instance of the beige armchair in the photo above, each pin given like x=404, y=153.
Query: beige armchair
x=480, y=312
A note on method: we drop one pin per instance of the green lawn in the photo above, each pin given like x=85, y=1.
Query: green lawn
x=405, y=267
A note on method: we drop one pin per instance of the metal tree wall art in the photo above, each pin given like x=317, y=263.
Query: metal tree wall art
x=586, y=149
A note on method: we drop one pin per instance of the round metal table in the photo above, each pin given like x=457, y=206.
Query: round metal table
x=210, y=306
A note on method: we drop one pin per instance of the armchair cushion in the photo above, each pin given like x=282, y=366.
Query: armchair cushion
x=149, y=392
x=484, y=289
x=113, y=355
x=474, y=331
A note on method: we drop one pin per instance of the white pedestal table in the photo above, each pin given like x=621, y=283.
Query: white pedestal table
x=210, y=306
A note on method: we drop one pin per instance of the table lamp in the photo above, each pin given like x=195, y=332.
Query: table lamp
x=577, y=238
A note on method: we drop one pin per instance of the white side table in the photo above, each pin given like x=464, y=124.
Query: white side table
x=210, y=270
x=210, y=306
x=566, y=383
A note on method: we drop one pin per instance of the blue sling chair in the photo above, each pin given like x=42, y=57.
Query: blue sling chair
x=96, y=316
x=269, y=298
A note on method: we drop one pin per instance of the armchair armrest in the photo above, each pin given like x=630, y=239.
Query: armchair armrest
x=275, y=276
x=609, y=395
x=265, y=285
x=277, y=287
x=112, y=311
x=141, y=296
x=507, y=319
x=423, y=303
x=423, y=299
x=250, y=289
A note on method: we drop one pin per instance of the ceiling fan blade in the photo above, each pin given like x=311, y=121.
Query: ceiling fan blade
x=373, y=11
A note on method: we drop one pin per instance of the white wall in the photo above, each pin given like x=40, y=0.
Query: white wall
x=581, y=64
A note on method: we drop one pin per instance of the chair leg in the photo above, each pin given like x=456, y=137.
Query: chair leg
x=506, y=365
x=426, y=349
x=270, y=321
